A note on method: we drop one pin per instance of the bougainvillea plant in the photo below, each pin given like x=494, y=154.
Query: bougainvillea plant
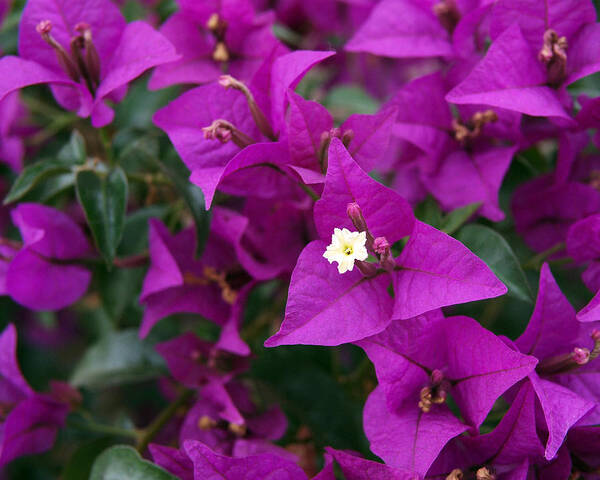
x=300, y=239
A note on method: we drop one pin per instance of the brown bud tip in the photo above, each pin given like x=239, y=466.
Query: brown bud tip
x=213, y=22
x=228, y=294
x=237, y=429
x=484, y=473
x=45, y=26
x=347, y=137
x=220, y=53
x=206, y=423
x=455, y=474
x=82, y=27
x=595, y=335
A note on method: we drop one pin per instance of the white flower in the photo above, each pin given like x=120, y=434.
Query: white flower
x=346, y=246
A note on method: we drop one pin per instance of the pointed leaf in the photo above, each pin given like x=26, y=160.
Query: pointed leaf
x=74, y=152
x=124, y=463
x=33, y=175
x=104, y=201
x=494, y=250
x=458, y=217
x=193, y=196
x=118, y=358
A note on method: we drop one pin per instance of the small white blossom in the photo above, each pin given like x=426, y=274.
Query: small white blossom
x=346, y=246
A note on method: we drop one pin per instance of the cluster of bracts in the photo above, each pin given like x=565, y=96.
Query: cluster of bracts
x=466, y=85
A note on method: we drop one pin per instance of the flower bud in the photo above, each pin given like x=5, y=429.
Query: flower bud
x=358, y=220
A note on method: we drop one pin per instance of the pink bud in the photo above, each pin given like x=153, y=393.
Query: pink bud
x=581, y=356
x=381, y=245
x=45, y=26
x=437, y=376
x=355, y=213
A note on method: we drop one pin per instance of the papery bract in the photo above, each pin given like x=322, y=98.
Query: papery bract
x=44, y=274
x=123, y=52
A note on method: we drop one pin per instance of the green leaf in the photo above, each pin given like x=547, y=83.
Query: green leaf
x=135, y=234
x=118, y=358
x=124, y=463
x=193, y=196
x=80, y=464
x=494, y=250
x=119, y=290
x=50, y=188
x=104, y=200
x=33, y=175
x=457, y=217
x=74, y=152
x=429, y=211
x=346, y=100
x=136, y=151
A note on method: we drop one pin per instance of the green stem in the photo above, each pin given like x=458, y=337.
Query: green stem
x=311, y=193
x=106, y=144
x=60, y=122
x=147, y=434
x=37, y=106
x=146, y=179
x=535, y=262
x=92, y=426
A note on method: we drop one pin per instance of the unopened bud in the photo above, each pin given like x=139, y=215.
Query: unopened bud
x=44, y=27
x=382, y=248
x=367, y=269
x=237, y=429
x=206, y=423
x=213, y=22
x=220, y=53
x=581, y=356
x=355, y=213
x=347, y=137
x=447, y=13
x=227, y=81
x=92, y=59
x=381, y=245
x=455, y=474
x=224, y=131
x=324, y=151
x=485, y=473
x=66, y=62
x=554, y=55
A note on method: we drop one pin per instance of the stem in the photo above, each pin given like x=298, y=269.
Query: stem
x=36, y=106
x=148, y=179
x=92, y=426
x=106, y=144
x=535, y=262
x=147, y=434
x=132, y=261
x=311, y=193
x=60, y=122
